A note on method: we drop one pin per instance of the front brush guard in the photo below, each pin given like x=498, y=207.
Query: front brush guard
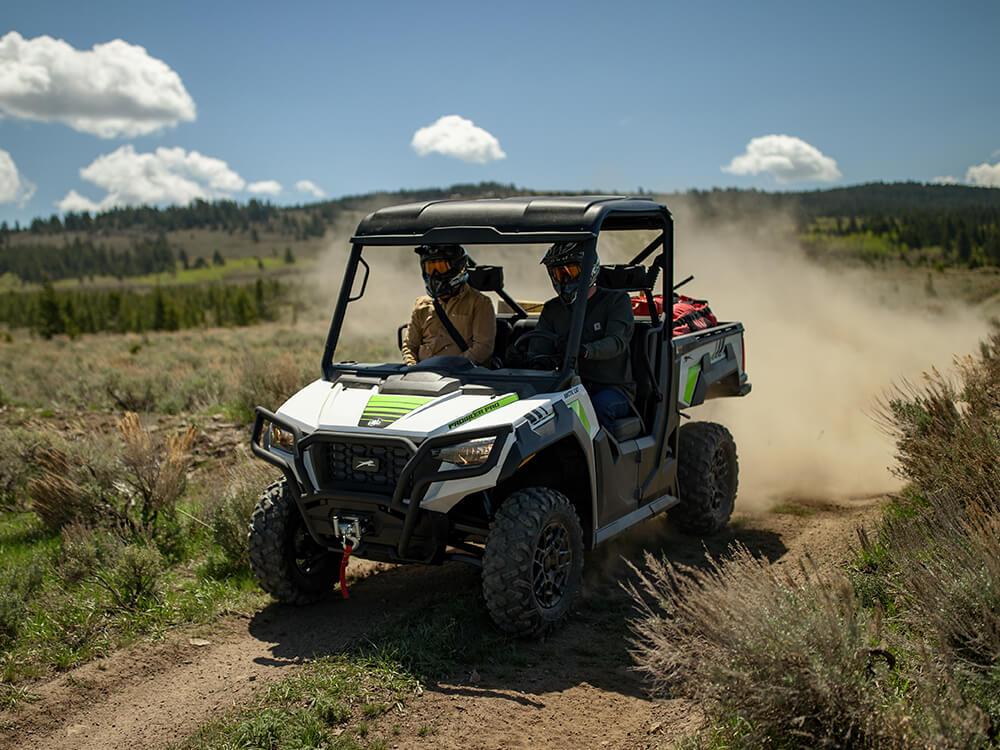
x=418, y=474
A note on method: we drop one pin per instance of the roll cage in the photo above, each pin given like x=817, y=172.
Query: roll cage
x=513, y=221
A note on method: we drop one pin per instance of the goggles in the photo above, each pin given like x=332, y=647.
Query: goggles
x=436, y=266
x=565, y=272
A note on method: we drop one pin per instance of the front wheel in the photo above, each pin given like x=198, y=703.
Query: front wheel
x=533, y=563
x=707, y=475
x=286, y=560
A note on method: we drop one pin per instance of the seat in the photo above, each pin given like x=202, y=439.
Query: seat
x=626, y=428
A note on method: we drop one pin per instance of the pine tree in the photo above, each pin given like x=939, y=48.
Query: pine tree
x=50, y=316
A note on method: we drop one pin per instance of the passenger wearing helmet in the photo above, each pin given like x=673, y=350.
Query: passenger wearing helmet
x=604, y=364
x=445, y=269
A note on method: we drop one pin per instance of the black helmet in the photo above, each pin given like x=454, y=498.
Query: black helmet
x=444, y=267
x=564, y=261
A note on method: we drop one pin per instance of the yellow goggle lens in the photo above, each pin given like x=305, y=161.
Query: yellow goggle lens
x=436, y=267
x=564, y=273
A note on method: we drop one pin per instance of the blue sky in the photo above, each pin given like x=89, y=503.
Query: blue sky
x=577, y=95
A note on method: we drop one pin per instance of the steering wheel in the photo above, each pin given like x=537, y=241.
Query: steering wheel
x=545, y=361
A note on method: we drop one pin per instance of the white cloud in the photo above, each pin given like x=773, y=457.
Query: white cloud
x=786, y=158
x=984, y=175
x=76, y=203
x=113, y=89
x=459, y=138
x=265, y=187
x=945, y=180
x=13, y=187
x=164, y=176
x=310, y=187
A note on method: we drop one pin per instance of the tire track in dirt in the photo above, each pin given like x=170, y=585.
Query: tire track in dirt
x=572, y=690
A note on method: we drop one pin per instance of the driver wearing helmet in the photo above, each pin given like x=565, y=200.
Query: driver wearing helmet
x=445, y=269
x=604, y=363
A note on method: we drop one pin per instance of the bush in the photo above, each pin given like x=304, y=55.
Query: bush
x=266, y=381
x=75, y=483
x=947, y=435
x=779, y=657
x=18, y=448
x=135, y=578
x=134, y=393
x=133, y=485
x=84, y=551
x=155, y=471
x=229, y=515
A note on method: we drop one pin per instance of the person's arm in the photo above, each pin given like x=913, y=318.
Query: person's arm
x=540, y=345
x=618, y=330
x=484, y=331
x=414, y=335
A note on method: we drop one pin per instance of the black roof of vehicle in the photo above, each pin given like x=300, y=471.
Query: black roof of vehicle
x=520, y=219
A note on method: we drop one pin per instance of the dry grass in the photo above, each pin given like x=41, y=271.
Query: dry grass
x=75, y=483
x=132, y=484
x=155, y=470
x=165, y=372
x=268, y=380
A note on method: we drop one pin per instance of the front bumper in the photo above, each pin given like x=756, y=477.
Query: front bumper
x=393, y=509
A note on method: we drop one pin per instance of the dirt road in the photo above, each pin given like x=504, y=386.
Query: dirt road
x=573, y=690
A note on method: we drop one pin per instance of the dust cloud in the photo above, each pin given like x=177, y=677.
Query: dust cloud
x=822, y=343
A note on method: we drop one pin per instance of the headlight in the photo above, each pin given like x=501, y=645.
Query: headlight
x=471, y=453
x=280, y=439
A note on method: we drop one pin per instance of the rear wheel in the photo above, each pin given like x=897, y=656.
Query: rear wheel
x=533, y=563
x=708, y=475
x=286, y=560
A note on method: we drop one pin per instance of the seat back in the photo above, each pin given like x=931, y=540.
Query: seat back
x=486, y=278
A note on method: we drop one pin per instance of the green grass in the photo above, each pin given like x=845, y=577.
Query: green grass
x=326, y=704
x=55, y=623
x=24, y=541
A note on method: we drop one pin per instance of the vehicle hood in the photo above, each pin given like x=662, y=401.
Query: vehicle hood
x=332, y=407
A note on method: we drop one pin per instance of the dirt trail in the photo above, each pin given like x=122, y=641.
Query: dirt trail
x=574, y=690
x=577, y=689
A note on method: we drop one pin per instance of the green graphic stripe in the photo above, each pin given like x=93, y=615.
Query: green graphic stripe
x=390, y=408
x=492, y=406
x=577, y=407
x=411, y=402
x=692, y=381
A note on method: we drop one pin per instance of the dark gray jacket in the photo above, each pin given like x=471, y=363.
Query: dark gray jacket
x=607, y=331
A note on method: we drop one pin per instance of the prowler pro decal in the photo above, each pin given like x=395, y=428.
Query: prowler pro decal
x=382, y=411
x=493, y=405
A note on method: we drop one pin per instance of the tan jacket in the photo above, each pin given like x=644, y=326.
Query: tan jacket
x=470, y=311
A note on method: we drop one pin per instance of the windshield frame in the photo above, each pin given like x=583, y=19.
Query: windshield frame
x=539, y=378
x=545, y=380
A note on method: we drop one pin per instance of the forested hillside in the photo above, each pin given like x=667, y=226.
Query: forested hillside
x=918, y=223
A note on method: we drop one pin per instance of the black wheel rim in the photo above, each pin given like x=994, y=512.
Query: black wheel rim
x=551, y=566
x=307, y=556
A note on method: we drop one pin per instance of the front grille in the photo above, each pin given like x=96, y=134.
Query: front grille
x=345, y=464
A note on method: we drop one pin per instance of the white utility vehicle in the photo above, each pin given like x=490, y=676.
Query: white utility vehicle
x=504, y=467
